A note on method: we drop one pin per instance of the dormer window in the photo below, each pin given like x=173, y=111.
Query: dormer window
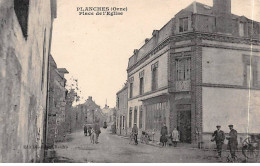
x=241, y=29
x=183, y=24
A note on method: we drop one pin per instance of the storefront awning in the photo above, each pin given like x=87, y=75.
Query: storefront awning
x=153, y=96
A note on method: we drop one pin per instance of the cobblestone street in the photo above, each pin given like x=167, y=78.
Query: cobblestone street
x=113, y=148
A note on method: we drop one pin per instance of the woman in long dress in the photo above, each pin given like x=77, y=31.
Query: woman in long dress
x=175, y=137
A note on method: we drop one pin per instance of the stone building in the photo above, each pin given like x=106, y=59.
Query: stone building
x=26, y=30
x=56, y=104
x=88, y=113
x=121, y=113
x=198, y=71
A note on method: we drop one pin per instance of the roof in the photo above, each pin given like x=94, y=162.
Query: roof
x=62, y=70
x=200, y=8
x=125, y=87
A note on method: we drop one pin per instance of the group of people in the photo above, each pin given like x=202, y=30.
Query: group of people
x=175, y=137
x=219, y=137
x=93, y=132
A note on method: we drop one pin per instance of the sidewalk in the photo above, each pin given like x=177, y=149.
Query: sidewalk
x=157, y=143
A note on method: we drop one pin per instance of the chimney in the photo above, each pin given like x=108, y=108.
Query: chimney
x=136, y=51
x=155, y=32
x=222, y=6
x=90, y=98
x=146, y=40
x=222, y=11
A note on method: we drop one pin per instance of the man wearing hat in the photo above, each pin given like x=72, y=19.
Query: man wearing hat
x=218, y=137
x=232, y=141
x=135, y=132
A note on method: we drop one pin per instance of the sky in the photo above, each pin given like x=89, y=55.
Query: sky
x=95, y=49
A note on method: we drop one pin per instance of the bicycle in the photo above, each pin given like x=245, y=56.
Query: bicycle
x=250, y=147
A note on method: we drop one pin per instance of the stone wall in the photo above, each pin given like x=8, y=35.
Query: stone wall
x=24, y=48
x=56, y=104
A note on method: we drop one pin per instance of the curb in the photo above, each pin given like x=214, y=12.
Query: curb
x=189, y=148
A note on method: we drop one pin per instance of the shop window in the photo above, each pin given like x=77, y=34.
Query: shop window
x=135, y=115
x=123, y=123
x=140, y=117
x=155, y=116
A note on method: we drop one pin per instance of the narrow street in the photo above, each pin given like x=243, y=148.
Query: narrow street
x=113, y=148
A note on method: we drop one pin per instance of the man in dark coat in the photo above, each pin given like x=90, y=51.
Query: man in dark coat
x=85, y=130
x=164, y=133
x=135, y=132
x=97, y=131
x=219, y=137
x=232, y=141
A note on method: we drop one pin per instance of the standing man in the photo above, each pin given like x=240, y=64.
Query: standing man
x=85, y=130
x=164, y=133
x=232, y=141
x=97, y=131
x=218, y=137
x=135, y=132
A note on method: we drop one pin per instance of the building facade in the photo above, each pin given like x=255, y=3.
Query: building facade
x=56, y=104
x=198, y=71
x=88, y=113
x=121, y=111
x=26, y=30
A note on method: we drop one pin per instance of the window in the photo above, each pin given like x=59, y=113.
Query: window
x=241, y=29
x=141, y=77
x=183, y=69
x=125, y=100
x=135, y=115
x=250, y=70
x=249, y=75
x=130, y=118
x=141, y=86
x=123, y=122
x=131, y=82
x=140, y=117
x=183, y=24
x=131, y=90
x=155, y=76
x=21, y=8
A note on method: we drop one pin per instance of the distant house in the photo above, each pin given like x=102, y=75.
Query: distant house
x=199, y=70
x=121, y=111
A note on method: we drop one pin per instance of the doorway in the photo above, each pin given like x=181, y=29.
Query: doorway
x=184, y=125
